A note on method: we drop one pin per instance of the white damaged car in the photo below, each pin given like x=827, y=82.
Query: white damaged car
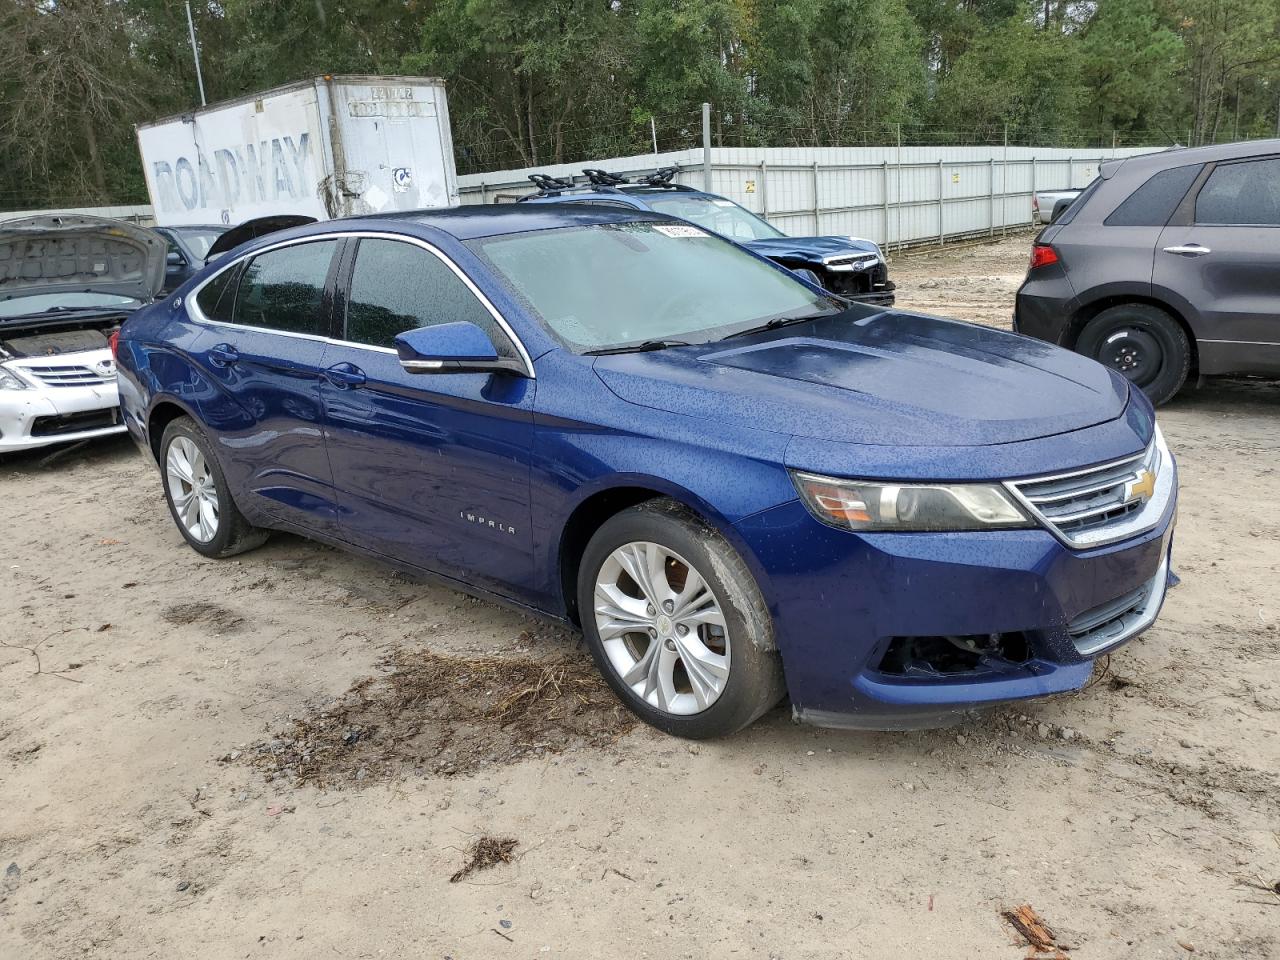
x=67, y=283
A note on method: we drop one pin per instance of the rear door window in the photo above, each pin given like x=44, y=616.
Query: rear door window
x=283, y=289
x=399, y=286
x=1246, y=193
x=1153, y=203
x=217, y=297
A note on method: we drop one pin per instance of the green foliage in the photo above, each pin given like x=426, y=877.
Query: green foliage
x=551, y=81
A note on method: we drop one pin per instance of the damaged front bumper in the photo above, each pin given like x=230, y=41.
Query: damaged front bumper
x=913, y=630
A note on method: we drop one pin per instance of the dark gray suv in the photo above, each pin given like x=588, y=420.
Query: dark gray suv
x=1167, y=265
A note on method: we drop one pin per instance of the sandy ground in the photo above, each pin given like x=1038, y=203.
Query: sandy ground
x=140, y=817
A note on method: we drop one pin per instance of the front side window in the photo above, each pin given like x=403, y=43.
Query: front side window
x=1241, y=194
x=619, y=284
x=283, y=289
x=399, y=286
x=719, y=215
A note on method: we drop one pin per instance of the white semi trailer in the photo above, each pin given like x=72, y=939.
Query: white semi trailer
x=329, y=147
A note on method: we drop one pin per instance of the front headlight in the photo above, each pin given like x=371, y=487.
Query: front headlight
x=11, y=381
x=870, y=505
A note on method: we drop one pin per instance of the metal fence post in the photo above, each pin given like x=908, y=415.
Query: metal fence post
x=764, y=189
x=1004, y=179
x=706, y=147
x=991, y=200
x=817, y=207
x=483, y=198
x=941, y=230
x=884, y=195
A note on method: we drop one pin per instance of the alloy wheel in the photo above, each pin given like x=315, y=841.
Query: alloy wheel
x=192, y=489
x=662, y=628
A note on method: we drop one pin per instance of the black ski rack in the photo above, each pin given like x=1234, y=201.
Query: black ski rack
x=661, y=177
x=603, y=178
x=549, y=184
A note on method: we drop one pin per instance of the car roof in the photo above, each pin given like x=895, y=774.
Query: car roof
x=477, y=221
x=1185, y=156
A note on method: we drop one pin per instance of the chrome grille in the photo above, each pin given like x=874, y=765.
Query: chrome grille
x=1099, y=505
x=850, y=263
x=67, y=375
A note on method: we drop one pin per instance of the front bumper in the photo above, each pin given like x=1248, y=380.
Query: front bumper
x=42, y=416
x=841, y=601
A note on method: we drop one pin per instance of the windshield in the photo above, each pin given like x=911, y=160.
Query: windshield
x=43, y=302
x=200, y=240
x=714, y=213
x=617, y=284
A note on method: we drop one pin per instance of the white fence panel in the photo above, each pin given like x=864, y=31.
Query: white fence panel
x=892, y=195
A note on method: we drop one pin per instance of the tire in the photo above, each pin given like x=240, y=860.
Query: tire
x=1143, y=343
x=215, y=527
x=726, y=634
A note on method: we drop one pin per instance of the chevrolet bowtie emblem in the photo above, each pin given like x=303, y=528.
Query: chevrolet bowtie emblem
x=1144, y=488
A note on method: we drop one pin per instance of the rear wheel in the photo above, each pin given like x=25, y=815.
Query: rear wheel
x=1142, y=342
x=199, y=499
x=676, y=623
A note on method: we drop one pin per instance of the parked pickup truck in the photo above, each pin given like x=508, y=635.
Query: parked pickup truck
x=1047, y=204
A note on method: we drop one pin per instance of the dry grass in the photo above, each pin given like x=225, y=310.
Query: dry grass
x=486, y=852
x=436, y=715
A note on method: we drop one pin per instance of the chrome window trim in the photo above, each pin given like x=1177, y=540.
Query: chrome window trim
x=193, y=303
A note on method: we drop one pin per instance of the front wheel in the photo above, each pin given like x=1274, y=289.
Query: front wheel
x=676, y=623
x=198, y=496
x=1142, y=342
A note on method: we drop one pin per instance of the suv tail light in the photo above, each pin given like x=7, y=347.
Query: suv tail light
x=113, y=342
x=1042, y=255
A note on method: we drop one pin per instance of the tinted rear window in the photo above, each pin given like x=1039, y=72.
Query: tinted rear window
x=284, y=289
x=1153, y=203
x=219, y=295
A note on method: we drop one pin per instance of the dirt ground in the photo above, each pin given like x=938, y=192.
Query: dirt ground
x=255, y=758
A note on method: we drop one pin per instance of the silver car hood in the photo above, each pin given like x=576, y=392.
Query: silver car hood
x=60, y=254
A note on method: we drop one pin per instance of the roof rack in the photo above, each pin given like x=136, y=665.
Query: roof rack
x=661, y=177
x=603, y=178
x=602, y=181
x=549, y=184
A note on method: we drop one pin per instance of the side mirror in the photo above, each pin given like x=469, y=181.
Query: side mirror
x=458, y=347
x=174, y=259
x=807, y=275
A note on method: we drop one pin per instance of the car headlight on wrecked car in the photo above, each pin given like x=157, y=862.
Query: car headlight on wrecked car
x=866, y=505
x=11, y=381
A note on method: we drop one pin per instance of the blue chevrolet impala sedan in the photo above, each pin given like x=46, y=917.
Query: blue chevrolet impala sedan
x=738, y=485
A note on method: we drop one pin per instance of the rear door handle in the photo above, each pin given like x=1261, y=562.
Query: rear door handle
x=223, y=355
x=344, y=375
x=1188, y=250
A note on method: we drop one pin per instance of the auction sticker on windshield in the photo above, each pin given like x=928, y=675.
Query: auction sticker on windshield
x=678, y=230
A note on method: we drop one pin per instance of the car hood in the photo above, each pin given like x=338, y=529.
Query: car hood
x=61, y=254
x=888, y=379
x=252, y=229
x=811, y=249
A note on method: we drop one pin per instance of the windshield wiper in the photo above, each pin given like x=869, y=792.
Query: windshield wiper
x=637, y=347
x=773, y=324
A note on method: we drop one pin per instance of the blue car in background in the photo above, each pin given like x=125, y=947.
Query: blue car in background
x=849, y=267
x=736, y=484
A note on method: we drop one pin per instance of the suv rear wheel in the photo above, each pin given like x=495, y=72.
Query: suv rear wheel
x=676, y=623
x=1142, y=342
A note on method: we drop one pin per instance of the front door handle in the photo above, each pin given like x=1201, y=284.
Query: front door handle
x=223, y=355
x=1188, y=250
x=344, y=375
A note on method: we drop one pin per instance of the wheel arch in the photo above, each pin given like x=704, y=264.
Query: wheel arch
x=604, y=501
x=163, y=412
x=1087, y=312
